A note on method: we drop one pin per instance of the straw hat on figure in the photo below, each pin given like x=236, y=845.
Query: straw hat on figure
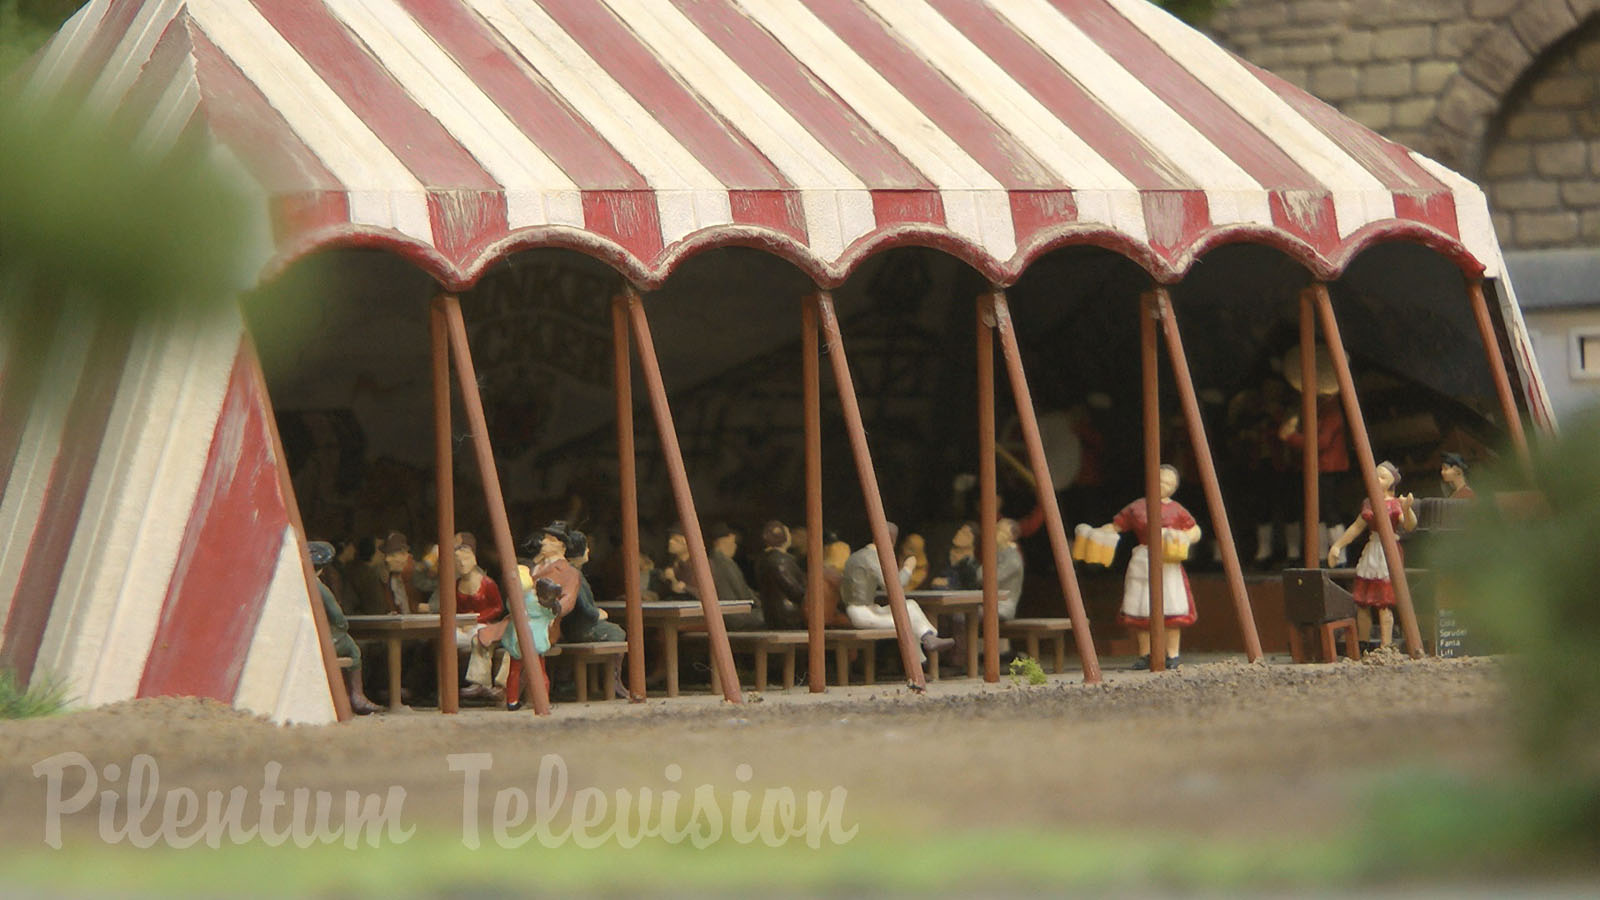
x=1178, y=531
x=1373, y=589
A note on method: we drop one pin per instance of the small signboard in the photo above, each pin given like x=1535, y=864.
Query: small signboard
x=1450, y=635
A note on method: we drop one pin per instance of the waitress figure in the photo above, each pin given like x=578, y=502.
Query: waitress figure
x=1373, y=589
x=1178, y=531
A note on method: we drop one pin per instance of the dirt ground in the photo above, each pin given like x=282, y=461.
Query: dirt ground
x=1223, y=748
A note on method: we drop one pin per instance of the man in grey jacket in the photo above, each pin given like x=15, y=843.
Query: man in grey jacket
x=863, y=582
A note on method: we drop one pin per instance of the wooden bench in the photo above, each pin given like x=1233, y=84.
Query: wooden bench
x=597, y=657
x=1031, y=630
x=843, y=640
x=761, y=644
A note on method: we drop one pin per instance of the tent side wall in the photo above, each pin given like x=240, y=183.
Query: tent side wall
x=145, y=543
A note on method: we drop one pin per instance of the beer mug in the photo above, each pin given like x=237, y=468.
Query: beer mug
x=1103, y=546
x=1174, y=546
x=1080, y=542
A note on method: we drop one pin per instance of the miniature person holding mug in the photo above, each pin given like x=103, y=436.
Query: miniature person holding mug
x=1373, y=589
x=1178, y=531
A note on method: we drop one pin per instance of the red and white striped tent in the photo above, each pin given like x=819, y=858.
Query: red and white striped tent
x=457, y=132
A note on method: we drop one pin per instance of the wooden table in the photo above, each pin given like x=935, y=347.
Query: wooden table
x=670, y=616
x=392, y=629
x=940, y=604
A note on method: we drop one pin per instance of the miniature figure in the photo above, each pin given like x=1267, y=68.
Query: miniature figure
x=399, y=573
x=863, y=582
x=1453, y=471
x=1373, y=589
x=476, y=593
x=543, y=601
x=1333, y=445
x=1178, y=531
x=781, y=580
x=344, y=646
x=1008, y=567
x=914, y=547
x=962, y=573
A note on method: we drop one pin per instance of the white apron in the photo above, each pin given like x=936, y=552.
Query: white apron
x=1136, y=587
x=1373, y=565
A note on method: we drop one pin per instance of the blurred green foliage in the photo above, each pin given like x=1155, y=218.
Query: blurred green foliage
x=1530, y=578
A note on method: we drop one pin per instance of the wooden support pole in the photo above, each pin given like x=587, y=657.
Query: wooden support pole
x=1149, y=312
x=1310, y=466
x=1208, y=475
x=1369, y=472
x=628, y=492
x=319, y=616
x=494, y=501
x=988, y=500
x=909, y=652
x=1502, y=378
x=445, y=506
x=721, y=654
x=811, y=389
x=1059, y=548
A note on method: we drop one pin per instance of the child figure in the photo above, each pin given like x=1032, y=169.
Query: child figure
x=1373, y=589
x=543, y=601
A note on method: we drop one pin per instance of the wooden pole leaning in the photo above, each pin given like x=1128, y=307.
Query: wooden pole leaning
x=494, y=501
x=1502, y=378
x=909, y=653
x=628, y=494
x=811, y=390
x=1149, y=312
x=988, y=501
x=319, y=616
x=1369, y=472
x=445, y=506
x=1059, y=548
x=1310, y=466
x=1208, y=475
x=716, y=629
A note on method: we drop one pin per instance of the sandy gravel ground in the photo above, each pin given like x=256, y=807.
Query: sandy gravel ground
x=1223, y=748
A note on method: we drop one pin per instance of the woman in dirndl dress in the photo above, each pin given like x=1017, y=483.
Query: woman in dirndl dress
x=1179, y=529
x=1373, y=589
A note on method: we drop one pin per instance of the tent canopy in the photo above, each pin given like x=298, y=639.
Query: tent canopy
x=457, y=132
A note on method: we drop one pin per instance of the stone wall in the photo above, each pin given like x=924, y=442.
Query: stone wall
x=1460, y=80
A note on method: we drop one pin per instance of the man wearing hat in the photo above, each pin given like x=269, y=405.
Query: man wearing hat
x=400, y=571
x=1453, y=470
x=339, y=629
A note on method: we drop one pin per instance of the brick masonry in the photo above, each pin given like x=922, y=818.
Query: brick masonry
x=1505, y=91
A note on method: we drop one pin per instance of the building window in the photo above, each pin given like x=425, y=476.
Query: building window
x=1586, y=354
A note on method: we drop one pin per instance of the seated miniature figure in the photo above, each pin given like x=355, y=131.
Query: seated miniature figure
x=1008, y=567
x=782, y=582
x=477, y=594
x=913, y=546
x=400, y=575
x=962, y=572
x=344, y=646
x=863, y=582
x=1177, y=531
x=1373, y=588
x=542, y=600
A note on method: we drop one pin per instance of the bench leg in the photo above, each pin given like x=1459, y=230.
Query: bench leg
x=869, y=663
x=974, y=635
x=393, y=645
x=933, y=665
x=761, y=668
x=669, y=636
x=580, y=675
x=841, y=665
x=1033, y=647
x=1297, y=650
x=788, y=667
x=1352, y=645
x=1329, y=654
x=1061, y=652
x=716, y=680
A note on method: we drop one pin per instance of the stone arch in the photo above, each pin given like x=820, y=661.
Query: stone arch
x=1489, y=69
